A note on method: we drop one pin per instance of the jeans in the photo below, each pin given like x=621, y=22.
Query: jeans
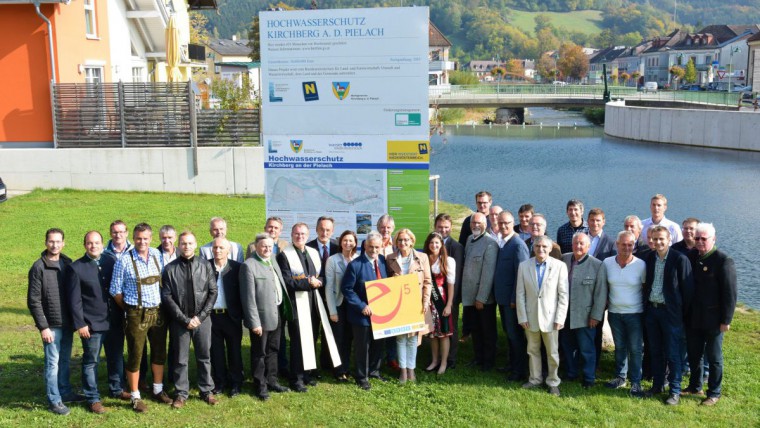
x=113, y=342
x=578, y=348
x=709, y=341
x=90, y=360
x=57, y=358
x=627, y=333
x=406, y=348
x=665, y=342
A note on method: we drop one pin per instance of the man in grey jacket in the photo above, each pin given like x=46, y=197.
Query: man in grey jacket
x=265, y=304
x=587, y=285
x=480, y=255
x=188, y=295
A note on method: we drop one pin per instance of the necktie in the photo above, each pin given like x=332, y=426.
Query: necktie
x=377, y=270
x=325, y=255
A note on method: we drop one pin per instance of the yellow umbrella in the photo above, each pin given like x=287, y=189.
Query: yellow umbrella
x=172, y=51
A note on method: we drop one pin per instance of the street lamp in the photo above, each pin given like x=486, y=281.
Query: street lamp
x=731, y=65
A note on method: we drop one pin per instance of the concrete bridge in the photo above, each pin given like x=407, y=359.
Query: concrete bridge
x=518, y=96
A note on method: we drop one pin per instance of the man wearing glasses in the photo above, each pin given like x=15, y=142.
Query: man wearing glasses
x=119, y=243
x=537, y=229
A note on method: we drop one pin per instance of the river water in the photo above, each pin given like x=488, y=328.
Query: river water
x=548, y=166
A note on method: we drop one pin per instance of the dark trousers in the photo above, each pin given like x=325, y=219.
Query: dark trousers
x=264, y=350
x=665, y=347
x=709, y=342
x=282, y=354
x=113, y=344
x=369, y=353
x=466, y=322
x=454, y=342
x=518, y=344
x=343, y=338
x=201, y=338
x=297, y=373
x=226, y=356
x=483, y=334
x=579, y=352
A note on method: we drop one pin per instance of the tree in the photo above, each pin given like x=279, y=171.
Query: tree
x=572, y=62
x=231, y=95
x=624, y=77
x=546, y=67
x=499, y=72
x=614, y=78
x=463, y=78
x=198, y=32
x=677, y=72
x=515, y=67
x=690, y=74
x=542, y=21
x=253, y=40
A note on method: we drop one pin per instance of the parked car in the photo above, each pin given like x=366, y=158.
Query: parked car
x=695, y=87
x=3, y=191
x=649, y=87
x=559, y=83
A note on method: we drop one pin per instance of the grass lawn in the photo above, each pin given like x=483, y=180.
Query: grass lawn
x=462, y=397
x=584, y=21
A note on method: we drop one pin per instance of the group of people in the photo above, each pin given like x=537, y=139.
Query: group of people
x=663, y=303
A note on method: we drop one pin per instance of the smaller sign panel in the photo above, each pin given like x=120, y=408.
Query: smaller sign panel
x=396, y=305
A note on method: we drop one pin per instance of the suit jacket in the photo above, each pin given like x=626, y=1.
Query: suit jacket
x=236, y=252
x=231, y=282
x=336, y=268
x=86, y=287
x=714, y=299
x=479, y=266
x=677, y=285
x=541, y=309
x=605, y=247
x=358, y=272
x=420, y=264
x=455, y=250
x=587, y=290
x=295, y=283
x=508, y=261
x=258, y=294
x=465, y=232
x=174, y=290
x=556, y=252
x=333, y=248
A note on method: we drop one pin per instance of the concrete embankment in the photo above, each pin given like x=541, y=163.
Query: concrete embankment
x=734, y=130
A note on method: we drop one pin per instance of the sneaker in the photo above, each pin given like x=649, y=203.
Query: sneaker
x=692, y=391
x=178, y=403
x=636, y=390
x=161, y=397
x=530, y=385
x=97, y=408
x=616, y=383
x=139, y=406
x=654, y=390
x=673, y=399
x=59, y=409
x=709, y=401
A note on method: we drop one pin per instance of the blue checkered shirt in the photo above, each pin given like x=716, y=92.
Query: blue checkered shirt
x=124, y=280
x=565, y=235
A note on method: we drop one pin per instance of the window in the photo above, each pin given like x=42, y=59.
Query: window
x=137, y=74
x=93, y=74
x=89, y=18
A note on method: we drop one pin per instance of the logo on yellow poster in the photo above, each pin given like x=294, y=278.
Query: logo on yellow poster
x=396, y=305
x=408, y=151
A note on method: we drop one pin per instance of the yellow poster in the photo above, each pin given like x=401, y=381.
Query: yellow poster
x=396, y=305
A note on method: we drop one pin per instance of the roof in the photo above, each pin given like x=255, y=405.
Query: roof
x=483, y=65
x=436, y=37
x=230, y=47
x=665, y=43
x=201, y=4
x=754, y=38
x=608, y=54
x=248, y=65
x=725, y=33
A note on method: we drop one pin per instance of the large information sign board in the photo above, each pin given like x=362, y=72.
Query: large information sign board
x=345, y=116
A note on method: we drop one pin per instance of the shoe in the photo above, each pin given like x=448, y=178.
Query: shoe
x=342, y=378
x=393, y=365
x=59, y=409
x=709, y=401
x=234, y=392
x=364, y=384
x=464, y=338
x=217, y=390
x=178, y=403
x=161, y=397
x=74, y=398
x=451, y=365
x=123, y=395
x=298, y=387
x=654, y=391
x=139, y=406
x=692, y=391
x=636, y=390
x=210, y=399
x=432, y=368
x=311, y=382
x=673, y=399
x=379, y=377
x=587, y=384
x=529, y=385
x=554, y=390
x=276, y=387
x=97, y=408
x=616, y=383
x=263, y=396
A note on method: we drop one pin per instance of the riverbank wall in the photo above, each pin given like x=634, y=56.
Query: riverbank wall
x=734, y=130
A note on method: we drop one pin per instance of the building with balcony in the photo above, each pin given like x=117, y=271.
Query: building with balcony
x=438, y=56
x=753, y=61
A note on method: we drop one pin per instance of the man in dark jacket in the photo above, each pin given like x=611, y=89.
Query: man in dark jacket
x=188, y=295
x=712, y=310
x=46, y=301
x=87, y=282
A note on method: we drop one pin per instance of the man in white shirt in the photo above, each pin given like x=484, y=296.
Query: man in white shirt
x=218, y=229
x=658, y=205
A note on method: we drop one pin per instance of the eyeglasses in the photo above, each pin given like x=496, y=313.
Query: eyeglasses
x=701, y=238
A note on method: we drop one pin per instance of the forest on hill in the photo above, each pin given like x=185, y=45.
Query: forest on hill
x=481, y=29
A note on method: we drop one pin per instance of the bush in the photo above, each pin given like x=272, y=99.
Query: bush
x=463, y=78
x=451, y=115
x=594, y=115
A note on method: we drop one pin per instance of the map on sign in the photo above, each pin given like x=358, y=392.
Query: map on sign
x=326, y=190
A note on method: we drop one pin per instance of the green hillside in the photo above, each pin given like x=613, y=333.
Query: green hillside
x=584, y=21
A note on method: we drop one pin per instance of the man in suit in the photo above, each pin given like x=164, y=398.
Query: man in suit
x=538, y=229
x=218, y=229
x=168, y=236
x=602, y=246
x=273, y=228
x=300, y=266
x=480, y=255
x=483, y=201
x=513, y=251
x=265, y=304
x=711, y=311
x=587, y=290
x=455, y=250
x=326, y=247
x=688, y=229
x=226, y=333
x=667, y=296
x=542, y=302
x=367, y=267
x=87, y=281
x=188, y=294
